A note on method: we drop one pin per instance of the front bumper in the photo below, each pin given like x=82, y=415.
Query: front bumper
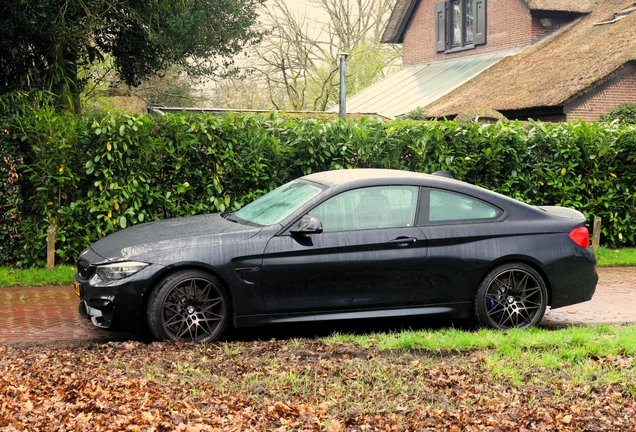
x=116, y=305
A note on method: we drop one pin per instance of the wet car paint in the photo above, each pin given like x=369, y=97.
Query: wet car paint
x=343, y=270
x=274, y=276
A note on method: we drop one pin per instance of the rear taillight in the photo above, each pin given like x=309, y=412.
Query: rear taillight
x=580, y=236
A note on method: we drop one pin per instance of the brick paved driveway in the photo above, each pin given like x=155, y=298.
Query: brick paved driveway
x=50, y=313
x=40, y=314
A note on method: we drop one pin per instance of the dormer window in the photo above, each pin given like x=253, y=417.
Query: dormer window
x=460, y=25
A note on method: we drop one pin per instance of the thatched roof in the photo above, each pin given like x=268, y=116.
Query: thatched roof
x=554, y=71
x=580, y=6
x=403, y=9
x=397, y=22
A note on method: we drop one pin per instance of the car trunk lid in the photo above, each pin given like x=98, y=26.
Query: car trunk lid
x=576, y=216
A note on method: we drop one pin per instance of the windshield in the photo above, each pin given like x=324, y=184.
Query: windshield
x=275, y=206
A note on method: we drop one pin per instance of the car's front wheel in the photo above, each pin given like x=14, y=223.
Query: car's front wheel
x=512, y=295
x=188, y=305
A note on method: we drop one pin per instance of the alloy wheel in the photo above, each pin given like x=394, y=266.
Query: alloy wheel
x=514, y=299
x=193, y=310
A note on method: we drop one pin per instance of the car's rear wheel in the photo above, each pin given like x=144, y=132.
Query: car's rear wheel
x=189, y=305
x=512, y=295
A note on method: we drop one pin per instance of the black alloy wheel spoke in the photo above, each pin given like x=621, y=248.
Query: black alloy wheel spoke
x=527, y=315
x=535, y=304
x=172, y=308
x=502, y=286
x=208, y=308
x=183, y=332
x=522, y=285
x=178, y=332
x=208, y=331
x=175, y=319
x=494, y=310
x=524, y=307
x=206, y=292
x=514, y=298
x=184, y=295
x=497, y=299
x=531, y=292
x=505, y=316
x=193, y=287
x=193, y=310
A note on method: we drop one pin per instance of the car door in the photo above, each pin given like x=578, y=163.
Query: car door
x=461, y=241
x=369, y=255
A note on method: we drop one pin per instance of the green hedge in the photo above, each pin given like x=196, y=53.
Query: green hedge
x=11, y=199
x=623, y=114
x=92, y=176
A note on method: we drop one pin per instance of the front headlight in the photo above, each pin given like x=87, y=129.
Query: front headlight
x=120, y=270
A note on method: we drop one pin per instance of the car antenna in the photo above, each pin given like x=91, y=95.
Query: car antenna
x=446, y=174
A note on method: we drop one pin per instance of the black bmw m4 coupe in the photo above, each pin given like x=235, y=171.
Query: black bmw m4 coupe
x=334, y=245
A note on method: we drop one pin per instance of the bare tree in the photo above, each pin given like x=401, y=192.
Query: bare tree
x=243, y=93
x=298, y=60
x=288, y=54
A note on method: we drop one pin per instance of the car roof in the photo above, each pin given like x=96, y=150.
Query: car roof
x=357, y=177
x=344, y=176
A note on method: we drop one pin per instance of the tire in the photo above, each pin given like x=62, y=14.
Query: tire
x=189, y=305
x=512, y=295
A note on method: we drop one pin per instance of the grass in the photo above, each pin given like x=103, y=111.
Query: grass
x=570, y=344
x=391, y=370
x=616, y=257
x=582, y=353
x=61, y=275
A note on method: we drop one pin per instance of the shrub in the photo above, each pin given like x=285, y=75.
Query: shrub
x=624, y=113
x=10, y=198
x=93, y=176
x=13, y=107
x=418, y=113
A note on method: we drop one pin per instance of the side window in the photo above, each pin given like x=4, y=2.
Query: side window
x=445, y=206
x=369, y=208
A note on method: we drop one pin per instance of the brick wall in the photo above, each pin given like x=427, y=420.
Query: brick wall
x=538, y=32
x=623, y=91
x=509, y=25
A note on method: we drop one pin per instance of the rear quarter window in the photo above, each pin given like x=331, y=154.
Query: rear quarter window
x=441, y=206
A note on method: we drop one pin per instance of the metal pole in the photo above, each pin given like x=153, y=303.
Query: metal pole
x=343, y=85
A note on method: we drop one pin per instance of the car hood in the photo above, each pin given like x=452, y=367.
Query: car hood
x=149, y=238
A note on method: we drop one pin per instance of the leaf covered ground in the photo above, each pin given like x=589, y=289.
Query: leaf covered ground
x=310, y=384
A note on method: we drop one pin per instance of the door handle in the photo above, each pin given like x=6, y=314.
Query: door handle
x=404, y=241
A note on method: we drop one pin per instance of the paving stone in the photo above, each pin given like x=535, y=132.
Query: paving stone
x=42, y=314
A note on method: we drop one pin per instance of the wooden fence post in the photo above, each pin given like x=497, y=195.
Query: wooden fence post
x=50, y=247
x=596, y=233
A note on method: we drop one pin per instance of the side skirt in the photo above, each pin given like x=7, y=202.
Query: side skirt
x=453, y=310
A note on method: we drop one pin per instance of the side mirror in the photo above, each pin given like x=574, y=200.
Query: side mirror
x=307, y=225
